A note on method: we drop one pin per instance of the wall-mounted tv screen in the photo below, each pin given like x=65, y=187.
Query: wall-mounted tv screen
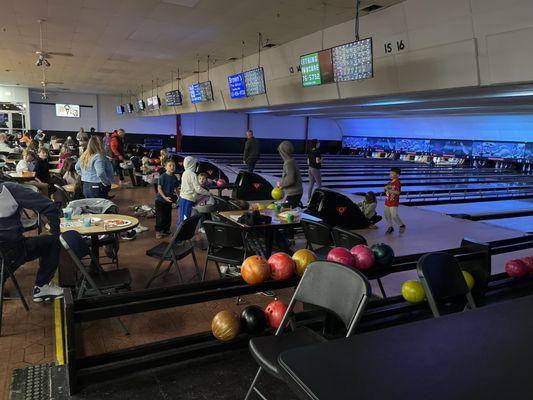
x=140, y=105
x=451, y=147
x=129, y=107
x=237, y=87
x=317, y=68
x=499, y=149
x=201, y=92
x=153, y=103
x=353, y=142
x=255, y=82
x=353, y=61
x=387, y=144
x=412, y=145
x=68, y=110
x=173, y=98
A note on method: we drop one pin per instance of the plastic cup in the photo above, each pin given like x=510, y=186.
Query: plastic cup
x=87, y=222
x=290, y=218
x=67, y=213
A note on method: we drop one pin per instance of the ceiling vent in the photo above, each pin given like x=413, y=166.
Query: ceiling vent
x=371, y=8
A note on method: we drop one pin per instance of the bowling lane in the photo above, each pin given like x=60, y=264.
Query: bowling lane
x=485, y=208
x=523, y=224
x=443, y=188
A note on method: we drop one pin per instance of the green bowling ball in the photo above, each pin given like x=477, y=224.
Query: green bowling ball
x=383, y=254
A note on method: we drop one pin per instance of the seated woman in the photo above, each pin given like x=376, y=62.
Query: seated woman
x=95, y=169
x=68, y=171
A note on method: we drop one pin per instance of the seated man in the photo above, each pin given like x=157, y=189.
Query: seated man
x=18, y=249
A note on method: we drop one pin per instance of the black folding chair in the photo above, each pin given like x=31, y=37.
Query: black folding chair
x=32, y=222
x=338, y=289
x=442, y=279
x=318, y=234
x=61, y=196
x=6, y=272
x=94, y=281
x=179, y=247
x=226, y=245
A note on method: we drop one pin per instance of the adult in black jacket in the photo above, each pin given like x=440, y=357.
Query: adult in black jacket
x=18, y=249
x=251, y=150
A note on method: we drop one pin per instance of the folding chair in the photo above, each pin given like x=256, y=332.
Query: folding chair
x=341, y=290
x=226, y=245
x=6, y=272
x=179, y=247
x=442, y=279
x=318, y=233
x=94, y=280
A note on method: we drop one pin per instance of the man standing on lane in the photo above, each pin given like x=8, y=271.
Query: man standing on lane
x=117, y=154
x=251, y=150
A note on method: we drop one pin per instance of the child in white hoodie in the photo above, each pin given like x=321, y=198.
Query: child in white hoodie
x=368, y=207
x=190, y=189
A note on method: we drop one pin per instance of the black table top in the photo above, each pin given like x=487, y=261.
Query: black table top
x=485, y=353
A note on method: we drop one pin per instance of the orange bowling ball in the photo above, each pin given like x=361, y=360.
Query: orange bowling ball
x=302, y=258
x=255, y=270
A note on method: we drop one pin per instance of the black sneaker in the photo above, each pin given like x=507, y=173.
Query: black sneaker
x=47, y=292
x=390, y=230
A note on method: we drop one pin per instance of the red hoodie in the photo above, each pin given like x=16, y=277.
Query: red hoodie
x=117, y=146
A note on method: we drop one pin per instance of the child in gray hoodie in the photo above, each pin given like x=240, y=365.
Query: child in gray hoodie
x=291, y=181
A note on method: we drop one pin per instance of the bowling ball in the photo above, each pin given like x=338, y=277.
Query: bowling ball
x=281, y=266
x=255, y=270
x=302, y=258
x=274, y=313
x=383, y=253
x=470, y=282
x=226, y=325
x=364, y=256
x=221, y=183
x=277, y=193
x=253, y=320
x=271, y=206
x=516, y=268
x=341, y=256
x=413, y=292
x=529, y=264
x=260, y=206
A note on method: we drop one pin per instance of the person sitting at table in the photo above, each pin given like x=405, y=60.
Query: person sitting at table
x=27, y=163
x=42, y=172
x=64, y=153
x=4, y=145
x=96, y=170
x=18, y=249
x=68, y=171
x=39, y=136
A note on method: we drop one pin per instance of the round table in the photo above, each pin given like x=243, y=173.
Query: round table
x=99, y=228
x=22, y=176
x=70, y=188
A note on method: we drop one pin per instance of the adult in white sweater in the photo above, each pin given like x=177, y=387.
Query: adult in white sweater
x=190, y=189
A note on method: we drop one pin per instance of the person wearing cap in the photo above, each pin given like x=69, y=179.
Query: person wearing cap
x=39, y=136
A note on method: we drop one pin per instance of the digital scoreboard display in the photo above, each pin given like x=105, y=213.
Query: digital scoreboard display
x=153, y=103
x=120, y=110
x=255, y=82
x=353, y=61
x=140, y=105
x=173, y=98
x=237, y=86
x=201, y=92
x=317, y=68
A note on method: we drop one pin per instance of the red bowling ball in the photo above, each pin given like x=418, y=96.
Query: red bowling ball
x=274, y=313
x=364, y=256
x=342, y=256
x=282, y=266
x=516, y=268
x=221, y=183
x=529, y=264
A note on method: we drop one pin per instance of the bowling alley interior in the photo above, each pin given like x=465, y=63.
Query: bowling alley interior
x=245, y=199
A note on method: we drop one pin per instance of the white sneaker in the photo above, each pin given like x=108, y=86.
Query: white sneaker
x=47, y=292
x=201, y=230
x=140, y=229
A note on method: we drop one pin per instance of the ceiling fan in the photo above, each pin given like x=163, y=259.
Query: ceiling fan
x=44, y=56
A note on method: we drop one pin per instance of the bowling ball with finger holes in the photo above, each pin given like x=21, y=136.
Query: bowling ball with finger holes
x=277, y=193
x=342, y=256
x=255, y=270
x=253, y=320
x=516, y=268
x=281, y=266
x=274, y=313
x=226, y=325
x=364, y=256
x=302, y=258
x=413, y=292
x=383, y=254
x=221, y=183
x=469, y=279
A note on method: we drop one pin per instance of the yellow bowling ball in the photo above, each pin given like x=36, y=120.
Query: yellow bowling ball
x=413, y=292
x=277, y=193
x=470, y=282
x=302, y=258
x=260, y=206
x=271, y=206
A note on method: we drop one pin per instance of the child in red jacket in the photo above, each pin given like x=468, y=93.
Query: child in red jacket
x=393, y=191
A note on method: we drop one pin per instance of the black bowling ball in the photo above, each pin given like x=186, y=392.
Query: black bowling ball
x=253, y=320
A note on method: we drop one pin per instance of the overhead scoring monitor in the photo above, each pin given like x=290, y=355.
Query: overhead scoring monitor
x=201, y=92
x=129, y=107
x=153, y=103
x=237, y=87
x=120, y=109
x=317, y=68
x=173, y=98
x=247, y=84
x=140, y=105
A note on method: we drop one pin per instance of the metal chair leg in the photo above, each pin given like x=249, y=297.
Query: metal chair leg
x=155, y=274
x=205, y=268
x=252, y=386
x=381, y=288
x=198, y=273
x=123, y=326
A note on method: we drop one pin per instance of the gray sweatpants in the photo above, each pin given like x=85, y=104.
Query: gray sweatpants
x=314, y=177
x=391, y=214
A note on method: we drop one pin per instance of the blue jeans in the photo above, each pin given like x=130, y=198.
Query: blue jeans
x=95, y=190
x=184, y=209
